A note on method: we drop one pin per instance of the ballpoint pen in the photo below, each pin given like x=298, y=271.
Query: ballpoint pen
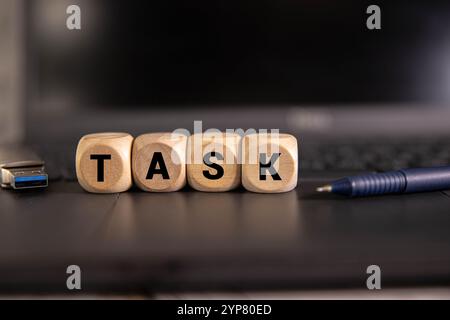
x=400, y=181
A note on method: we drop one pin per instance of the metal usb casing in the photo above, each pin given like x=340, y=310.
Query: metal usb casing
x=20, y=168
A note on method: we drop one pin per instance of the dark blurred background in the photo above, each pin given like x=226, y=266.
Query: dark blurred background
x=302, y=66
x=234, y=52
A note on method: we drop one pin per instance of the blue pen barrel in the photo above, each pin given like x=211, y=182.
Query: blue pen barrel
x=377, y=183
x=427, y=179
x=401, y=181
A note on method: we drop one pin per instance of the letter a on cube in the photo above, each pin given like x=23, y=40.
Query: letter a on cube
x=159, y=161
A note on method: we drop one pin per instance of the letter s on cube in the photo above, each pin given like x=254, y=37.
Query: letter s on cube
x=270, y=162
x=103, y=162
x=214, y=161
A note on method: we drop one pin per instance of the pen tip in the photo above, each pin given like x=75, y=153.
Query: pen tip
x=326, y=188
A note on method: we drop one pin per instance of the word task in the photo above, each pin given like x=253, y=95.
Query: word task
x=166, y=162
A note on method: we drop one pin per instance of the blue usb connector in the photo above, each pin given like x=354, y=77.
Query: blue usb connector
x=30, y=181
x=20, y=169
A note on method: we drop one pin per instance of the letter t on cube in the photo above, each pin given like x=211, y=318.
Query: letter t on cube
x=103, y=162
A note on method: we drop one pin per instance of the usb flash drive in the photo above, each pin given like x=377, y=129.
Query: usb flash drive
x=21, y=168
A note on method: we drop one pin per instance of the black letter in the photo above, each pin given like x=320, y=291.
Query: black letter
x=100, y=165
x=157, y=159
x=219, y=168
x=268, y=166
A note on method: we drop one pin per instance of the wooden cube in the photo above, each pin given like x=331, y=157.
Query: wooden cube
x=159, y=161
x=214, y=161
x=103, y=162
x=270, y=162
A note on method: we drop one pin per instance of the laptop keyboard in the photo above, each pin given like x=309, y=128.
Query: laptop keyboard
x=374, y=156
x=60, y=161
